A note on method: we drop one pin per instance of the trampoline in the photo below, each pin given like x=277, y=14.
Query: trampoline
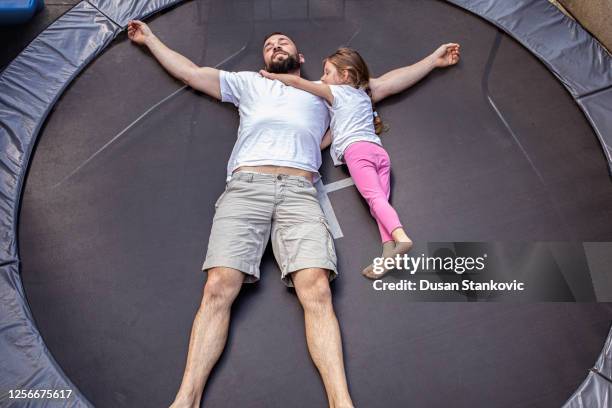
x=117, y=203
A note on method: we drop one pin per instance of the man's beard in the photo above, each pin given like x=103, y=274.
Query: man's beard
x=289, y=64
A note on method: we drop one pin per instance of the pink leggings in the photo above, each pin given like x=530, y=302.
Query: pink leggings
x=370, y=168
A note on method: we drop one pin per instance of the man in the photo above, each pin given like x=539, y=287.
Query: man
x=269, y=192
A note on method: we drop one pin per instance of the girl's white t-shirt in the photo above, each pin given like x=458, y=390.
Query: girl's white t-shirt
x=279, y=125
x=352, y=120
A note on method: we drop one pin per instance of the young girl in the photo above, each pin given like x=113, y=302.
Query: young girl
x=354, y=140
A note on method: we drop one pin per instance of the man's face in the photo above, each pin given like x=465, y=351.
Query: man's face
x=281, y=55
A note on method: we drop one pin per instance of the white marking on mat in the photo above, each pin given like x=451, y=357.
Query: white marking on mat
x=328, y=210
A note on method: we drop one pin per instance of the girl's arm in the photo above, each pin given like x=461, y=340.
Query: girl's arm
x=327, y=139
x=403, y=78
x=295, y=81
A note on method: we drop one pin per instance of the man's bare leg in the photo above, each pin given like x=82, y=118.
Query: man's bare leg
x=323, y=333
x=208, y=334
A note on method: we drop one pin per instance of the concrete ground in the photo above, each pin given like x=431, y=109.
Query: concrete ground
x=594, y=16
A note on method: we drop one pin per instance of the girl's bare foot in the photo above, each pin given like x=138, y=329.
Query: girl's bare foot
x=388, y=248
x=398, y=248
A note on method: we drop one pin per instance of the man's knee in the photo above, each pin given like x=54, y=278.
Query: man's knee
x=312, y=287
x=222, y=286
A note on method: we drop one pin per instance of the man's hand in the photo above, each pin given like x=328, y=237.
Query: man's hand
x=139, y=32
x=446, y=55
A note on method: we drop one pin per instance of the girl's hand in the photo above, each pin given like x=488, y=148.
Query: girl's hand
x=298, y=82
x=289, y=80
x=446, y=55
x=267, y=74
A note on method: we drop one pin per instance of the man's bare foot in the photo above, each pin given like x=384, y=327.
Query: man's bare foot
x=399, y=248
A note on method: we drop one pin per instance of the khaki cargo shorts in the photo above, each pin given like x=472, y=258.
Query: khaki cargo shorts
x=255, y=206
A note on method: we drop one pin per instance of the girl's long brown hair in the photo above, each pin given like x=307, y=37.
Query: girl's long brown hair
x=348, y=60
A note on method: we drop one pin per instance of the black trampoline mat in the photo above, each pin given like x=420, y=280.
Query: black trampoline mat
x=111, y=256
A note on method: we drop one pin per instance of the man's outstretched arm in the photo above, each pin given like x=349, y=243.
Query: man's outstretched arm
x=201, y=78
x=403, y=78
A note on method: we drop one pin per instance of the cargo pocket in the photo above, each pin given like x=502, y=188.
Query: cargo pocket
x=331, y=250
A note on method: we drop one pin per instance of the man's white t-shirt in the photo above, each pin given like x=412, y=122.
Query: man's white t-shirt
x=279, y=125
x=351, y=120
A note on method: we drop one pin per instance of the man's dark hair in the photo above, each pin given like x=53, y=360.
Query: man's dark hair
x=274, y=33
